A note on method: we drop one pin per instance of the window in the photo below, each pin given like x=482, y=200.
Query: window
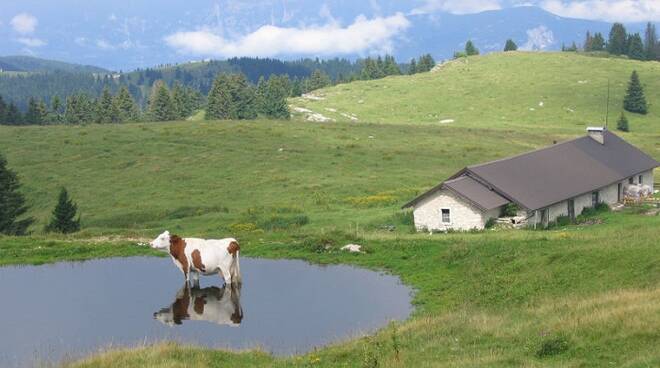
x=594, y=199
x=641, y=181
x=631, y=180
x=446, y=216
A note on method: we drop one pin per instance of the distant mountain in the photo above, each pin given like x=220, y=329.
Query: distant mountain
x=32, y=64
x=125, y=35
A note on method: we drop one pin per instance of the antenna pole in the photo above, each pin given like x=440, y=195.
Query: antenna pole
x=607, y=108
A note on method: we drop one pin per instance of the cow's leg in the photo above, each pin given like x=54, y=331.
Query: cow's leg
x=226, y=275
x=195, y=279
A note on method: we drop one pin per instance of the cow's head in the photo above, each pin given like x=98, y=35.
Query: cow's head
x=162, y=241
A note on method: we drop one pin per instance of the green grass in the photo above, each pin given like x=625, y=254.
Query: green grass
x=573, y=296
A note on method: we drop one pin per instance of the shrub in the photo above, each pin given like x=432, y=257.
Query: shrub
x=563, y=221
x=510, y=210
x=622, y=123
x=552, y=346
x=243, y=227
x=278, y=222
x=490, y=223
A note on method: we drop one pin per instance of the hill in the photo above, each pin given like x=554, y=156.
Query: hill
x=32, y=64
x=580, y=295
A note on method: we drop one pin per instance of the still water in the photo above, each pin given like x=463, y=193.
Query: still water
x=68, y=310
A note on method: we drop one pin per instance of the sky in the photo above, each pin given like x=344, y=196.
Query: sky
x=142, y=30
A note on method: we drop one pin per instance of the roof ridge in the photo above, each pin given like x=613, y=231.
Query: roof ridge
x=526, y=153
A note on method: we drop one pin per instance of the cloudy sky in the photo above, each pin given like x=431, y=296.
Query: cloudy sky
x=94, y=30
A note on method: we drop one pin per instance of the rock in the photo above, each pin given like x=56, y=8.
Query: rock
x=447, y=121
x=353, y=248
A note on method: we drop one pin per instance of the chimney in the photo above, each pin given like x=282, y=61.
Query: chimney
x=597, y=134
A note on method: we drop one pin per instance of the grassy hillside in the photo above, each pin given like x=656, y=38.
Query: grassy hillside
x=501, y=91
x=577, y=296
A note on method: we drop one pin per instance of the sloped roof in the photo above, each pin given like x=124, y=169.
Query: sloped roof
x=476, y=192
x=550, y=175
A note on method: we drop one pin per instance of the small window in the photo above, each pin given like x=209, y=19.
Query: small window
x=631, y=180
x=641, y=179
x=594, y=199
x=446, y=216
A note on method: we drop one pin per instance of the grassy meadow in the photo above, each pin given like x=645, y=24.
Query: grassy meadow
x=582, y=295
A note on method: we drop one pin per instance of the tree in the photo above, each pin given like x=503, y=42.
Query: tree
x=179, y=102
x=650, y=42
x=106, y=111
x=391, y=67
x=12, y=203
x=588, y=41
x=64, y=215
x=597, y=42
x=634, y=100
x=160, y=104
x=470, y=49
x=510, y=45
x=618, y=40
x=271, y=97
x=3, y=111
x=636, y=47
x=34, y=114
x=413, y=67
x=425, y=64
x=126, y=106
x=318, y=80
x=232, y=98
x=13, y=115
x=622, y=123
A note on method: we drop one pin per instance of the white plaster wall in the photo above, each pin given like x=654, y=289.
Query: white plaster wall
x=464, y=216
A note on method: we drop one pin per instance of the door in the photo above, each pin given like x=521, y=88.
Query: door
x=619, y=192
x=571, y=209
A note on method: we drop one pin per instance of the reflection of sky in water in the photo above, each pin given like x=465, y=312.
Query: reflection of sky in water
x=53, y=311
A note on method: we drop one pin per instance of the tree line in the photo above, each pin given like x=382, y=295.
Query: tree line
x=622, y=43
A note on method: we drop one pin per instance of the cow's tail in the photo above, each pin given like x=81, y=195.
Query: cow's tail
x=235, y=268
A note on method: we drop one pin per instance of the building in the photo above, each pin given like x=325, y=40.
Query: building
x=559, y=180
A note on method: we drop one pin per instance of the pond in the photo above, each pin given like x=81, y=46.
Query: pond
x=69, y=310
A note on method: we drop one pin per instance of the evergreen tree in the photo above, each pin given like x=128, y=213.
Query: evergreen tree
x=126, y=107
x=635, y=100
x=64, y=215
x=13, y=115
x=231, y=98
x=470, y=49
x=618, y=40
x=636, y=48
x=391, y=67
x=425, y=64
x=12, y=203
x=597, y=42
x=650, y=42
x=35, y=113
x=622, y=123
x=179, y=102
x=160, y=105
x=588, y=42
x=3, y=111
x=271, y=97
x=106, y=110
x=55, y=115
x=318, y=80
x=413, y=67
x=510, y=45
x=296, y=87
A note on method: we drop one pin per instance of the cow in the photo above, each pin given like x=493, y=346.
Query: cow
x=212, y=304
x=196, y=257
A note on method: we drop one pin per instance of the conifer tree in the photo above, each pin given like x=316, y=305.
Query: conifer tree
x=218, y=104
x=318, y=80
x=391, y=67
x=597, y=42
x=618, y=40
x=650, y=42
x=232, y=98
x=510, y=45
x=13, y=115
x=622, y=123
x=12, y=203
x=470, y=49
x=588, y=42
x=160, y=104
x=634, y=100
x=271, y=97
x=106, y=111
x=413, y=67
x=64, y=215
x=425, y=64
x=636, y=47
x=179, y=102
x=36, y=112
x=126, y=107
x=296, y=87
x=3, y=111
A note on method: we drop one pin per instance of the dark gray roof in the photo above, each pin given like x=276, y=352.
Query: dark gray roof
x=550, y=175
x=476, y=192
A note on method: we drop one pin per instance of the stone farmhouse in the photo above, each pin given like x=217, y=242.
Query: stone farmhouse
x=559, y=180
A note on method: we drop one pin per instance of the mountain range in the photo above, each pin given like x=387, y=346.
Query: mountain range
x=137, y=36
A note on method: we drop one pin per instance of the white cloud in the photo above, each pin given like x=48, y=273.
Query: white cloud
x=458, y=6
x=105, y=45
x=608, y=10
x=364, y=35
x=31, y=42
x=24, y=23
x=539, y=38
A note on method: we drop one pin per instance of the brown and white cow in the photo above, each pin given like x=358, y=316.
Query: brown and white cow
x=212, y=304
x=196, y=257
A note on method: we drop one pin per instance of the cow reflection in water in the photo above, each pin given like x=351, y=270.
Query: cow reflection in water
x=211, y=304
